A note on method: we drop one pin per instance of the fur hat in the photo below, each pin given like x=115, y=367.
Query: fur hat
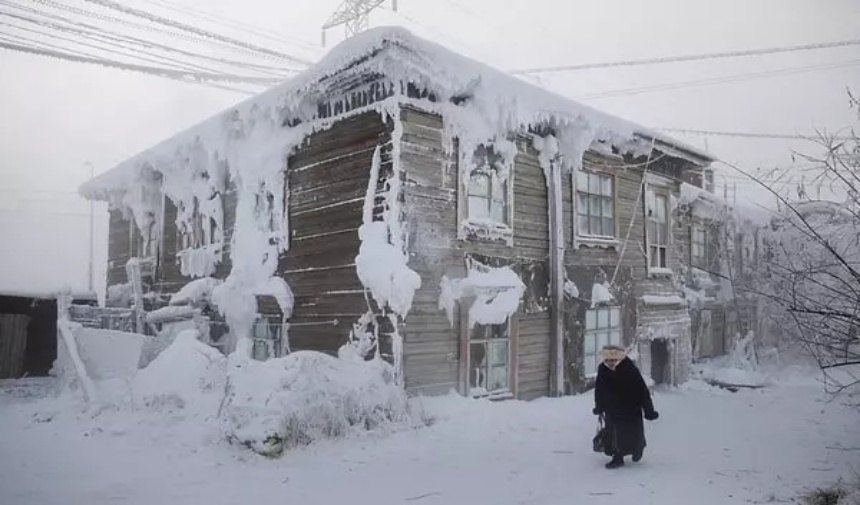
x=612, y=352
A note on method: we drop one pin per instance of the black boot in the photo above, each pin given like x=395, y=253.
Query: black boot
x=617, y=462
x=637, y=456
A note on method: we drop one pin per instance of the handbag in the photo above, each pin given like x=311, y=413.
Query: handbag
x=601, y=441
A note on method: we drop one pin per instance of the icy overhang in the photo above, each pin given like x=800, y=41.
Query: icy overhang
x=452, y=80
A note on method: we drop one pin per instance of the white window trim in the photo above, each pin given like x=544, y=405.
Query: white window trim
x=483, y=229
x=659, y=186
x=585, y=331
x=580, y=239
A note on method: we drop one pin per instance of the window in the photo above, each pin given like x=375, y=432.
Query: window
x=602, y=327
x=698, y=247
x=489, y=359
x=197, y=230
x=268, y=216
x=487, y=191
x=595, y=208
x=266, y=338
x=658, y=230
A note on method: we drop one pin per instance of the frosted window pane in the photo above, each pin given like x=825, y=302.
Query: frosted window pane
x=603, y=318
x=594, y=205
x=593, y=184
x=498, y=352
x=594, y=225
x=498, y=378
x=614, y=316
x=590, y=319
x=615, y=337
x=581, y=181
x=497, y=211
x=478, y=207
x=583, y=224
x=608, y=210
x=582, y=204
x=479, y=185
x=608, y=227
x=602, y=339
x=606, y=186
x=590, y=345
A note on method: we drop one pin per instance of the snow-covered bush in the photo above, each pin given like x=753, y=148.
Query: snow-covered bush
x=187, y=375
x=307, y=396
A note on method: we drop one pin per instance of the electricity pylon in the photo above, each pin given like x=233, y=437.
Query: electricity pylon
x=354, y=15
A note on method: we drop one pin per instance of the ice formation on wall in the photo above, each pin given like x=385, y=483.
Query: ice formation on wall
x=496, y=291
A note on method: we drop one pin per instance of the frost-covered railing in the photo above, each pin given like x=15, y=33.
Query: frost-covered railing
x=68, y=347
x=105, y=318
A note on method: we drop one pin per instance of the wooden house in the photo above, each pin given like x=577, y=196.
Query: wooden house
x=480, y=233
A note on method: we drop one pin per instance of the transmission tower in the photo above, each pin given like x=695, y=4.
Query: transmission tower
x=354, y=15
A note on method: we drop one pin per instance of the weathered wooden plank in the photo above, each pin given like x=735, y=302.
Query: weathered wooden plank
x=363, y=130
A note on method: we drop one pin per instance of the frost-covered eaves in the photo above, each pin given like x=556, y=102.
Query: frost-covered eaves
x=677, y=149
x=395, y=53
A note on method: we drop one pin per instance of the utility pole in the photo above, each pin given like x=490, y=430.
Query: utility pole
x=354, y=15
x=92, y=236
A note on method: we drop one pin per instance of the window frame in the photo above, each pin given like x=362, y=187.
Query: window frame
x=202, y=232
x=661, y=249
x=586, y=193
x=485, y=227
x=700, y=261
x=609, y=330
x=273, y=344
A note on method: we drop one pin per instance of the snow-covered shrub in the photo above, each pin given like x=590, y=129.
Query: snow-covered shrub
x=307, y=396
x=187, y=375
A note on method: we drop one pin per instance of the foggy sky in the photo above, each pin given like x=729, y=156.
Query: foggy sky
x=56, y=116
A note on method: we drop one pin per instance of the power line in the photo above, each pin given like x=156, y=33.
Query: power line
x=752, y=135
x=182, y=75
x=91, y=31
x=137, y=54
x=137, y=25
x=690, y=57
x=717, y=80
x=109, y=4
x=226, y=22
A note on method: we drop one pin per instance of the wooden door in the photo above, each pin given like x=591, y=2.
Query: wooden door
x=13, y=344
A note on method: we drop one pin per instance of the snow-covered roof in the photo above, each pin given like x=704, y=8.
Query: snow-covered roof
x=501, y=99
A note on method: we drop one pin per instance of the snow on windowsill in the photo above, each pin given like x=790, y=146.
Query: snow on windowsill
x=660, y=272
x=486, y=229
x=601, y=242
x=655, y=300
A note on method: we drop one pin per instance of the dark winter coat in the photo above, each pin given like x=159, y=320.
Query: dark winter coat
x=622, y=396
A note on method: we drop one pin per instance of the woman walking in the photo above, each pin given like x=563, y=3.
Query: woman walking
x=622, y=397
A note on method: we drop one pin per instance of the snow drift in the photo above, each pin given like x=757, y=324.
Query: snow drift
x=188, y=375
x=306, y=396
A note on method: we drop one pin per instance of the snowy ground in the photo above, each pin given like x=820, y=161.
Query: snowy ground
x=709, y=447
